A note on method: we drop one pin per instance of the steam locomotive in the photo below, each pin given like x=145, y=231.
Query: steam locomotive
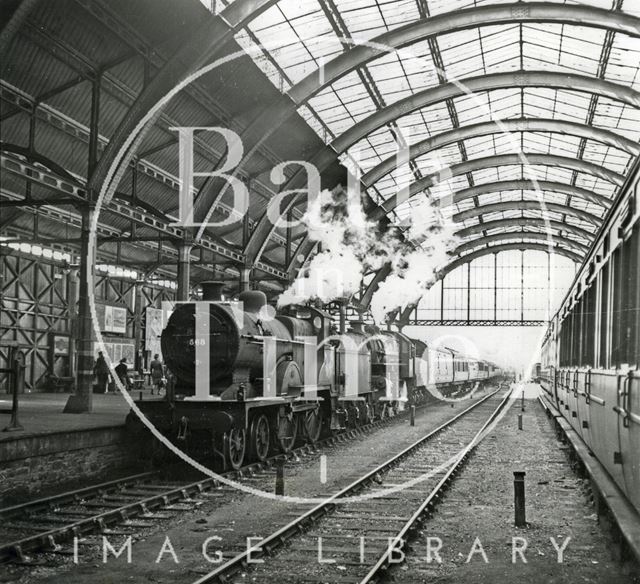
x=248, y=379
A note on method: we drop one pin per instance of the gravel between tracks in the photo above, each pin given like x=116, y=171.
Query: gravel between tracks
x=480, y=504
x=232, y=517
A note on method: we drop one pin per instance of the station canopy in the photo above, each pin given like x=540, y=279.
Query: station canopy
x=505, y=105
x=495, y=106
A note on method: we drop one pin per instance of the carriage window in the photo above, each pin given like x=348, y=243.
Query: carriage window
x=616, y=314
x=589, y=321
x=604, y=315
x=630, y=303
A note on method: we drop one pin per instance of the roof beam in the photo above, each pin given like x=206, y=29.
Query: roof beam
x=476, y=212
x=539, y=222
x=529, y=185
x=381, y=275
x=305, y=248
x=495, y=161
x=138, y=215
x=502, y=127
x=502, y=237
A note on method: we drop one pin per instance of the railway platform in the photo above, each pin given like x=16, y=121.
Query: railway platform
x=55, y=450
x=42, y=413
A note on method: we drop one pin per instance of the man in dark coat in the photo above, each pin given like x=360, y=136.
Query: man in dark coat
x=122, y=371
x=157, y=373
x=101, y=371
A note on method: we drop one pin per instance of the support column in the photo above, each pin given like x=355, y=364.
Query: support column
x=139, y=363
x=184, y=270
x=73, y=283
x=82, y=400
x=245, y=270
x=288, y=242
x=245, y=278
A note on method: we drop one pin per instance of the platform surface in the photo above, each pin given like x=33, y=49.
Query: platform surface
x=42, y=413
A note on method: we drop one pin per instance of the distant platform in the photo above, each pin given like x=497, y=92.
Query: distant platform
x=532, y=390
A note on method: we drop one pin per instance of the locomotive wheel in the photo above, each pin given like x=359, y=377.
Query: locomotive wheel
x=260, y=437
x=236, y=443
x=313, y=425
x=287, y=431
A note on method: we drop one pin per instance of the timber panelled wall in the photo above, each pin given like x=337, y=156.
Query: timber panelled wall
x=34, y=294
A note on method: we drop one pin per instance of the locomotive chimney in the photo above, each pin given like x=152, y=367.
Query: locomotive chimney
x=357, y=326
x=212, y=290
x=253, y=300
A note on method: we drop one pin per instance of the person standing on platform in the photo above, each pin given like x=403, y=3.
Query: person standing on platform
x=101, y=371
x=122, y=371
x=157, y=373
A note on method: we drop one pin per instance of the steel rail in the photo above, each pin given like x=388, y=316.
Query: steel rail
x=71, y=496
x=412, y=523
x=98, y=522
x=303, y=521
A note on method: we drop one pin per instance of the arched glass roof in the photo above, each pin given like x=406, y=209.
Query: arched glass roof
x=292, y=40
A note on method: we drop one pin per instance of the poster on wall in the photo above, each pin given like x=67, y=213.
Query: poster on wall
x=118, y=320
x=153, y=330
x=112, y=319
x=128, y=352
x=117, y=349
x=61, y=345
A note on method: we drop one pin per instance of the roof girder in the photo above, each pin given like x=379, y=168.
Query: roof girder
x=385, y=270
x=525, y=185
x=493, y=162
x=480, y=83
x=476, y=212
x=487, y=128
x=540, y=222
x=499, y=237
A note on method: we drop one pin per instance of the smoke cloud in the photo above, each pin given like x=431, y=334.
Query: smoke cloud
x=351, y=245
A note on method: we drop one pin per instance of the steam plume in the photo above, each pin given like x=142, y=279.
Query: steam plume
x=351, y=245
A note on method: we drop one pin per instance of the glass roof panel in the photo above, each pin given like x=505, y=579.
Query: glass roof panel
x=473, y=52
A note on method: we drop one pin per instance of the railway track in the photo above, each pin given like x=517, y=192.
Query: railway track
x=356, y=540
x=132, y=502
